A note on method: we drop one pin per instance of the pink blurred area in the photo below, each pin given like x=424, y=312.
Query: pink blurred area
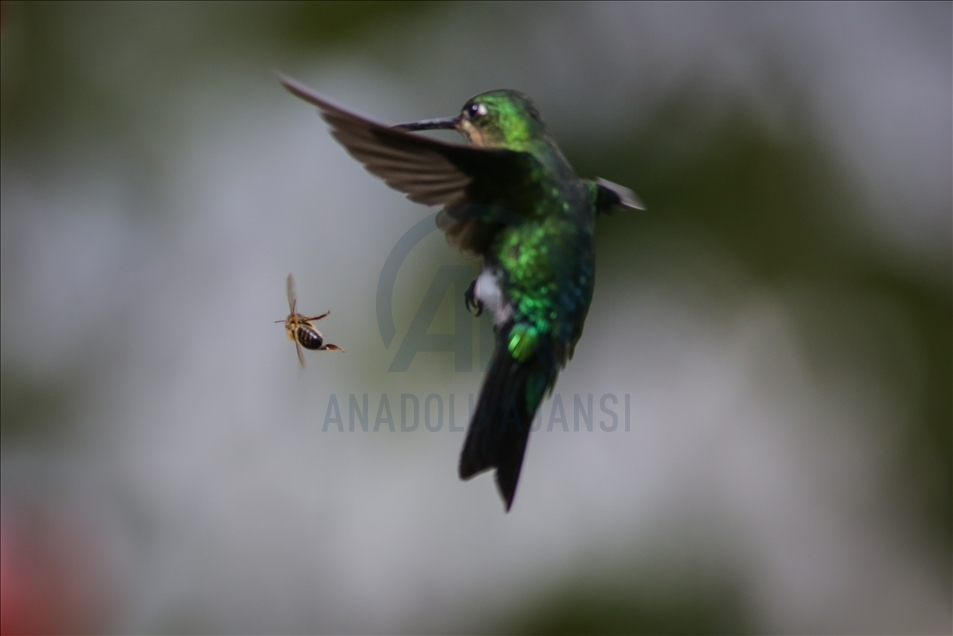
x=52, y=576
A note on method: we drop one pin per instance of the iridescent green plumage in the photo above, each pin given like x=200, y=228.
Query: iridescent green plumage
x=511, y=198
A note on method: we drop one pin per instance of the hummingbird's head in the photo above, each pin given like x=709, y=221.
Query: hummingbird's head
x=501, y=119
x=497, y=119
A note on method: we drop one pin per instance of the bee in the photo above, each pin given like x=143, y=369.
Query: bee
x=300, y=329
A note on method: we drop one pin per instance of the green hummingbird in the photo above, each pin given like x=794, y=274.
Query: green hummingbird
x=511, y=198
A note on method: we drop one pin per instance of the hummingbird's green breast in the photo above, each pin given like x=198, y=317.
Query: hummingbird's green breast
x=545, y=266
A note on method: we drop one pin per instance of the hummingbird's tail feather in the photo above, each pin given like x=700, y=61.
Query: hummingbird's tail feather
x=501, y=422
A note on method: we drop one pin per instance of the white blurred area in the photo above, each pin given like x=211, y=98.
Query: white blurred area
x=196, y=442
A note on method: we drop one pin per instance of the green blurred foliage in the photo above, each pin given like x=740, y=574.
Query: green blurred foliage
x=34, y=411
x=585, y=610
x=777, y=205
x=315, y=27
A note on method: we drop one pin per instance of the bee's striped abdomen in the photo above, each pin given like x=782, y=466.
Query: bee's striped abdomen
x=308, y=337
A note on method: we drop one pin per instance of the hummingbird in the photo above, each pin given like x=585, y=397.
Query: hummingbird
x=511, y=198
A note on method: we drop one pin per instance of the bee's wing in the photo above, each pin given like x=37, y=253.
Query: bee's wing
x=300, y=354
x=292, y=296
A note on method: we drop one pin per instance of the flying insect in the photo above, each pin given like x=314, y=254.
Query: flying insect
x=301, y=331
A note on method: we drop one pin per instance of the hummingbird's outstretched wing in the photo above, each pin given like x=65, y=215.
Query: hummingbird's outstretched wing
x=473, y=184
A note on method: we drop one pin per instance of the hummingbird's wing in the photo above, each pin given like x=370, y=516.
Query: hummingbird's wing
x=473, y=184
x=612, y=195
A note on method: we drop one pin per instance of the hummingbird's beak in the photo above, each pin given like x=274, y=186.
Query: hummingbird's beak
x=445, y=123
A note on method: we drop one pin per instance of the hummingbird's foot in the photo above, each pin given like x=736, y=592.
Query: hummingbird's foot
x=471, y=301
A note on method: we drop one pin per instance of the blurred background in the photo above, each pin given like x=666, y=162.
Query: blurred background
x=780, y=318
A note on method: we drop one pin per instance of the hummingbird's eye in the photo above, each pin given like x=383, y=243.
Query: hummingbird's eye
x=475, y=111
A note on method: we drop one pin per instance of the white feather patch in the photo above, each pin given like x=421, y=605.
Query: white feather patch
x=488, y=292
